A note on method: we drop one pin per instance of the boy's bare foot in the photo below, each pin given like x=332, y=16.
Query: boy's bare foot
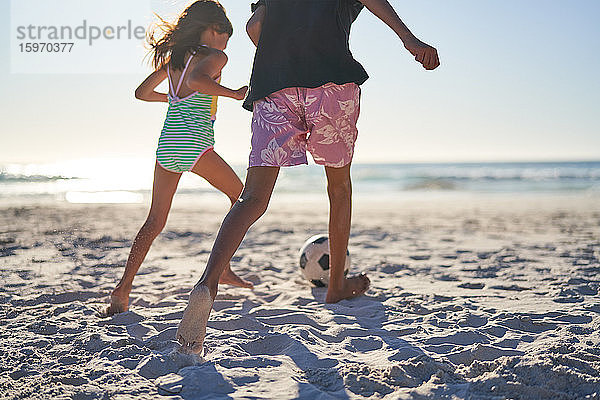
x=352, y=287
x=119, y=303
x=192, y=328
x=230, y=278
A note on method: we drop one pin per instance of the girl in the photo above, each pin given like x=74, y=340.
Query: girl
x=190, y=55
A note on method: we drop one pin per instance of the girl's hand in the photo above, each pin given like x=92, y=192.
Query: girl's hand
x=201, y=77
x=424, y=53
x=240, y=94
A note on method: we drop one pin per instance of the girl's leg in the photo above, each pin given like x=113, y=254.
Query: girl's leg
x=339, y=189
x=251, y=205
x=164, y=187
x=220, y=175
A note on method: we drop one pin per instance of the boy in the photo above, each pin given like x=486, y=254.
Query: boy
x=304, y=95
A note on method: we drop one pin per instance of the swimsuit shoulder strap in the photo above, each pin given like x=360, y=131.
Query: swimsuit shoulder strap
x=183, y=74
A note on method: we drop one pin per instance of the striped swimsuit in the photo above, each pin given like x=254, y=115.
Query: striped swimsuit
x=188, y=130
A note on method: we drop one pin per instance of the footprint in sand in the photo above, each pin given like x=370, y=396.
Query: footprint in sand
x=514, y=288
x=420, y=257
x=469, y=285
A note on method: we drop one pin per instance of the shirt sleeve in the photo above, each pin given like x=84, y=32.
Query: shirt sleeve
x=350, y=9
x=356, y=5
x=259, y=3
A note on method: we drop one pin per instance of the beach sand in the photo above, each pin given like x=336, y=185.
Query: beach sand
x=472, y=297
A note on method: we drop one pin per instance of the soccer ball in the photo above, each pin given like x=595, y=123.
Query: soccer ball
x=314, y=260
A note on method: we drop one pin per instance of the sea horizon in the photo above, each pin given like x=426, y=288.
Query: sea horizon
x=95, y=181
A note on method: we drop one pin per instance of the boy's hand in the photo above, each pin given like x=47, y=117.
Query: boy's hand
x=240, y=94
x=424, y=53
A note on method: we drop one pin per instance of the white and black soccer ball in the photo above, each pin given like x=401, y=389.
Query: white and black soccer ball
x=314, y=260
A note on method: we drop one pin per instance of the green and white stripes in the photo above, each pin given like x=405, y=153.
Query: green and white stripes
x=187, y=133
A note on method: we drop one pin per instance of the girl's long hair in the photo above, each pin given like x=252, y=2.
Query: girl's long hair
x=177, y=39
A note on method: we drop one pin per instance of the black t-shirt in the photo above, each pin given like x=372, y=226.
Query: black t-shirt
x=304, y=43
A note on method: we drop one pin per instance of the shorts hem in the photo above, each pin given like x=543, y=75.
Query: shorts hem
x=331, y=165
x=279, y=166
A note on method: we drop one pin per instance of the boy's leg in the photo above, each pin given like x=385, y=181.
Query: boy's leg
x=164, y=187
x=251, y=205
x=333, y=132
x=339, y=189
x=253, y=202
x=221, y=176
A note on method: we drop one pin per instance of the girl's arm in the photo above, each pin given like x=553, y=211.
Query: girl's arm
x=424, y=53
x=146, y=90
x=201, y=77
x=254, y=25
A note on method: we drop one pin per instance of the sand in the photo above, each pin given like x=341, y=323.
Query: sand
x=472, y=298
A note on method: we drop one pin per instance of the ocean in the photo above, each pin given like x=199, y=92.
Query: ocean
x=130, y=180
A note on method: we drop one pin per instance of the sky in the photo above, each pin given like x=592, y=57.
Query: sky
x=518, y=82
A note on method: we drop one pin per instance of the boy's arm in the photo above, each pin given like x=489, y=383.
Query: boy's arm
x=146, y=90
x=254, y=25
x=424, y=53
x=200, y=78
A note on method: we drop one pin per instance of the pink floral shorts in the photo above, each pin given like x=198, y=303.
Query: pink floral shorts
x=321, y=120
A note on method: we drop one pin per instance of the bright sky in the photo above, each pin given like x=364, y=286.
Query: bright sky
x=518, y=81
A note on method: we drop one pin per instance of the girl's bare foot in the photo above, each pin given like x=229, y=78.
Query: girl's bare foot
x=230, y=278
x=352, y=287
x=119, y=302
x=192, y=328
